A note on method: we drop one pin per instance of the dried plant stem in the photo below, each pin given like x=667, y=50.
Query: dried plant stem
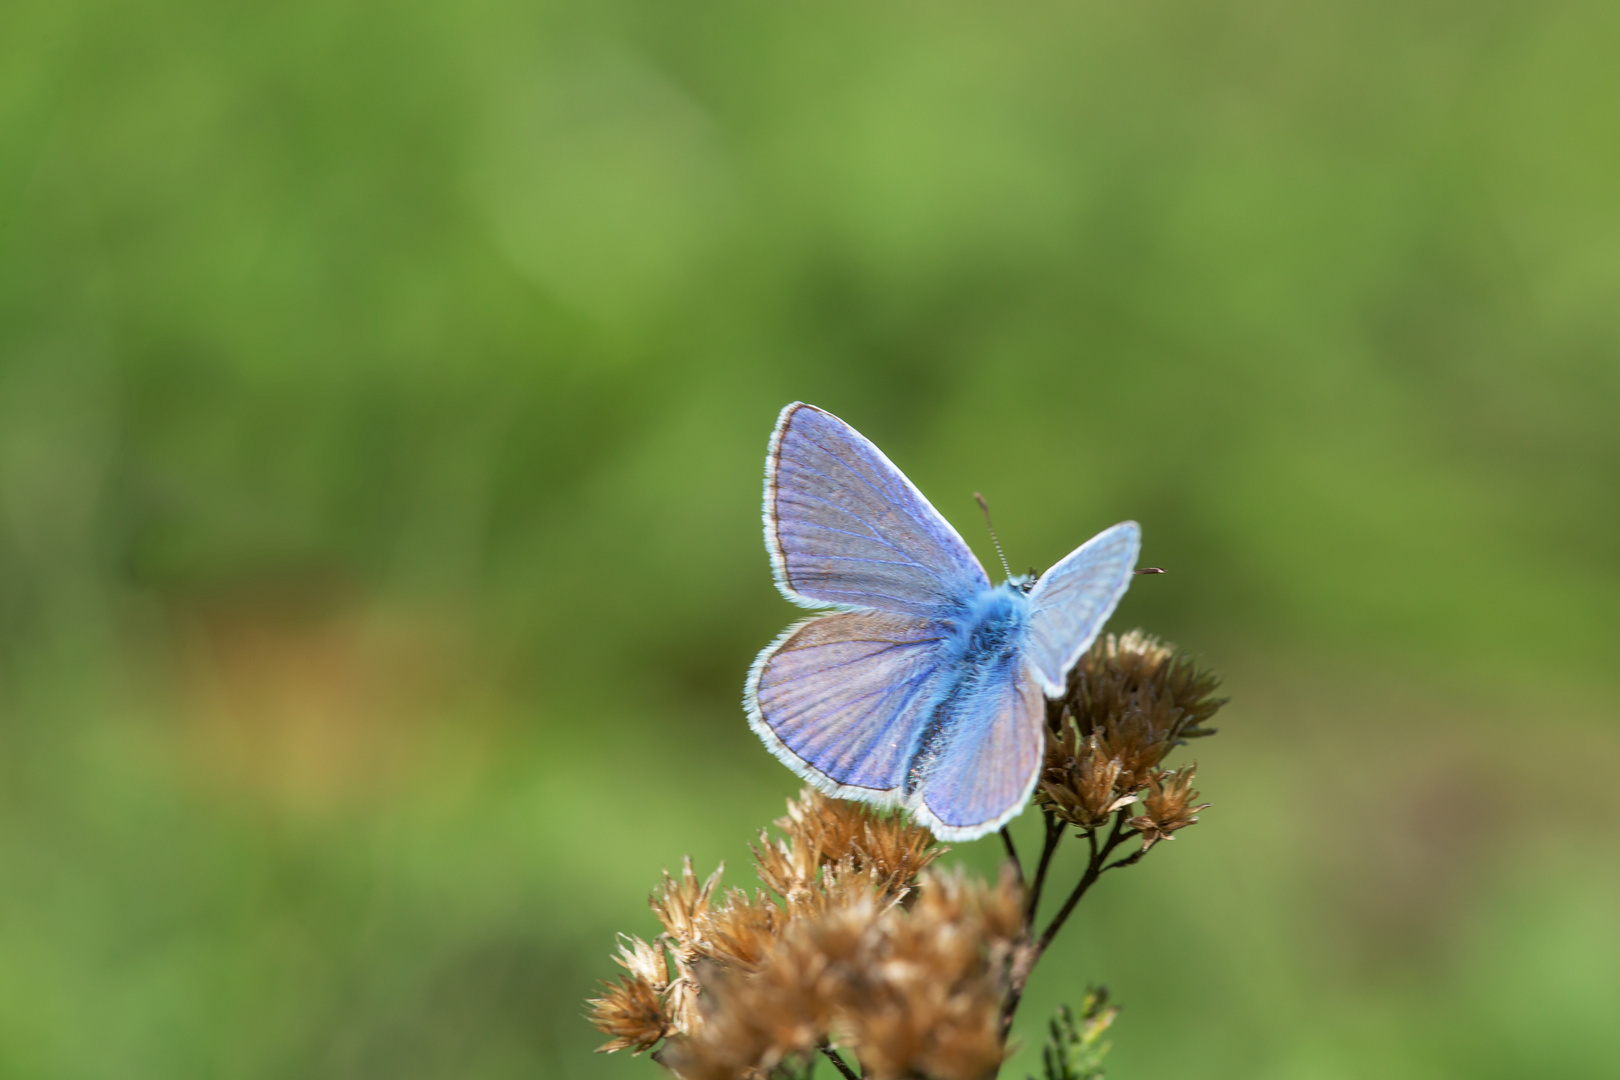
x=839, y=1063
x=1012, y=854
x=1054, y=833
x=1029, y=952
x=1095, y=868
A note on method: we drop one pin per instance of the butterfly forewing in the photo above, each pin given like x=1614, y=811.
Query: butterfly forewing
x=846, y=528
x=1072, y=600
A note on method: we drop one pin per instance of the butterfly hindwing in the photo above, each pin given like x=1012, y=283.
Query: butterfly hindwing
x=840, y=699
x=1072, y=600
x=989, y=757
x=846, y=528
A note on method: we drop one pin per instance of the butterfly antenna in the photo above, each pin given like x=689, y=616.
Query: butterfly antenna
x=994, y=539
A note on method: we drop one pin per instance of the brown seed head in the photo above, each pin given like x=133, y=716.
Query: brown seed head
x=926, y=1001
x=1130, y=701
x=1168, y=806
x=753, y=1019
x=822, y=830
x=631, y=1013
x=739, y=931
x=1080, y=784
x=993, y=914
x=1139, y=736
x=643, y=961
x=1116, y=670
x=738, y=983
x=681, y=906
x=913, y=992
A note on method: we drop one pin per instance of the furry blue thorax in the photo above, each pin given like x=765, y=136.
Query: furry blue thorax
x=992, y=625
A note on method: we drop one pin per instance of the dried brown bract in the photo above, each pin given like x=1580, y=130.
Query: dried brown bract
x=1080, y=784
x=788, y=869
x=643, y=961
x=631, y=1012
x=1168, y=806
x=1135, y=672
x=910, y=992
x=837, y=867
x=683, y=906
x=1131, y=700
x=824, y=830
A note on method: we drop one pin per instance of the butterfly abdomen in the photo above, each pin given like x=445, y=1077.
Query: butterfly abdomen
x=984, y=644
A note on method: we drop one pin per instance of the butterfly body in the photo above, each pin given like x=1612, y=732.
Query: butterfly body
x=924, y=685
x=983, y=650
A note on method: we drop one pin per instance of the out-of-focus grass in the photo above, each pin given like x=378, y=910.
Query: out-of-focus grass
x=382, y=397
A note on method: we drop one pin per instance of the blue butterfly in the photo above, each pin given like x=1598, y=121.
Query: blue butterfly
x=924, y=687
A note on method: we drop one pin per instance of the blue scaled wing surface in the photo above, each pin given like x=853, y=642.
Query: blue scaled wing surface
x=1072, y=600
x=987, y=759
x=842, y=699
x=892, y=696
x=981, y=755
x=845, y=528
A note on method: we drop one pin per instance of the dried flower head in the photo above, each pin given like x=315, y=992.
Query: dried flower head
x=924, y=999
x=682, y=906
x=1130, y=701
x=1139, y=736
x=631, y=1012
x=1135, y=669
x=913, y=992
x=739, y=931
x=837, y=867
x=1080, y=784
x=824, y=830
x=1168, y=806
x=753, y=1019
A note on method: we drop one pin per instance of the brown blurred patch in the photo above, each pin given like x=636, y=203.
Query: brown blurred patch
x=1411, y=851
x=301, y=693
x=1409, y=802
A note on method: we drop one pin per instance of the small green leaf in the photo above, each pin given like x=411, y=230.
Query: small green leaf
x=1075, y=1049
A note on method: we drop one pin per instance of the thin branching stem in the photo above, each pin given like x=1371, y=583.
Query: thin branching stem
x=839, y=1063
x=1054, y=833
x=1097, y=865
x=1012, y=855
x=1132, y=858
x=1095, y=869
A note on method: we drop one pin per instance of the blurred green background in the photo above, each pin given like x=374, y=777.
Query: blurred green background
x=383, y=396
